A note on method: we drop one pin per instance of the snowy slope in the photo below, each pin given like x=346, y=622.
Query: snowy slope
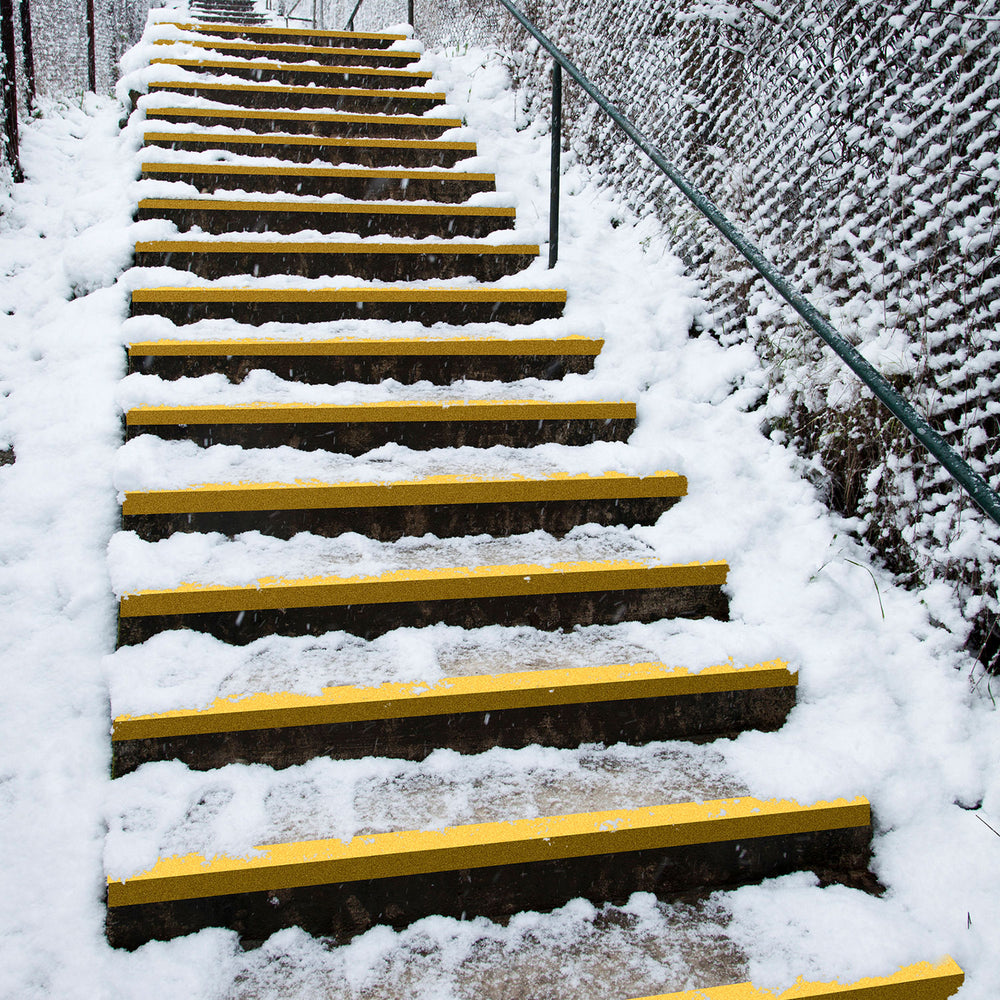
x=885, y=708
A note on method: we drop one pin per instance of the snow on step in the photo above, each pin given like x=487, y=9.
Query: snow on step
x=330, y=75
x=291, y=52
x=306, y=35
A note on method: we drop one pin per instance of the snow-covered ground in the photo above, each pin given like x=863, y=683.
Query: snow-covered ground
x=885, y=707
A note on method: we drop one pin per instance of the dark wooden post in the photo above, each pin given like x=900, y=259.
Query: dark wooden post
x=91, y=50
x=28, y=52
x=9, y=89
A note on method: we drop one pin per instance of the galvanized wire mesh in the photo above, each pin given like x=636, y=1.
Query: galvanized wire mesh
x=858, y=143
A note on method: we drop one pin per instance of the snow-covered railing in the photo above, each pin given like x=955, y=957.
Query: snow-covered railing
x=971, y=481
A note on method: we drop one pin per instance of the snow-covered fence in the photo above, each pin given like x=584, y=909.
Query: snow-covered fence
x=858, y=142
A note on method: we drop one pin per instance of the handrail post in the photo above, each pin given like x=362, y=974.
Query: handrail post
x=409, y=13
x=554, y=170
x=10, y=139
x=29, y=54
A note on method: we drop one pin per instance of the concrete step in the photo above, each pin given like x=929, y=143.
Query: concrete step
x=294, y=215
x=445, y=506
x=393, y=261
x=339, y=889
x=551, y=597
x=427, y=305
x=440, y=360
x=355, y=428
x=326, y=55
x=328, y=124
x=352, y=75
x=308, y=149
x=444, y=186
x=300, y=36
x=634, y=703
x=356, y=100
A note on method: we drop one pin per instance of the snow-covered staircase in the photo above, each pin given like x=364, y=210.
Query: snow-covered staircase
x=315, y=168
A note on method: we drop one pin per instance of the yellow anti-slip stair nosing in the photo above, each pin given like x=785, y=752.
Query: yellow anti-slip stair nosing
x=403, y=586
x=334, y=208
x=431, y=490
x=280, y=139
x=414, y=74
x=416, y=852
x=213, y=27
x=216, y=246
x=395, y=411
x=360, y=295
x=922, y=981
x=337, y=117
x=484, y=693
x=353, y=173
x=248, y=46
x=267, y=88
x=368, y=347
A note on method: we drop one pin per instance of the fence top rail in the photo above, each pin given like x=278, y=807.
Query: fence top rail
x=971, y=481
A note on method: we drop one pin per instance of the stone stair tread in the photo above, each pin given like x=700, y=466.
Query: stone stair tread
x=202, y=108
x=330, y=203
x=239, y=165
x=419, y=76
x=268, y=243
x=290, y=32
x=222, y=45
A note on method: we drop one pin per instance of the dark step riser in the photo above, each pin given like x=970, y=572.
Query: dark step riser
x=636, y=721
x=217, y=222
x=293, y=126
x=355, y=188
x=342, y=911
x=362, y=156
x=550, y=612
x=440, y=370
x=391, y=523
x=303, y=77
x=358, y=438
x=374, y=267
x=322, y=41
x=427, y=313
x=360, y=104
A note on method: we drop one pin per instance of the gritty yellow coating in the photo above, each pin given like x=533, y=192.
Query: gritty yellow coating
x=275, y=246
x=359, y=173
x=415, y=74
x=241, y=139
x=319, y=207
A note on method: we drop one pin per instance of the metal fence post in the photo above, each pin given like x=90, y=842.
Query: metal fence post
x=91, y=50
x=9, y=88
x=409, y=13
x=28, y=52
x=555, y=164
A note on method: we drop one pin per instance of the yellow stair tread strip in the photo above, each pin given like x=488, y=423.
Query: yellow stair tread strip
x=276, y=246
x=415, y=74
x=414, y=852
x=336, y=207
x=210, y=28
x=307, y=295
x=383, y=412
x=271, y=139
x=277, y=88
x=305, y=116
x=402, y=586
x=248, y=46
x=922, y=981
x=416, y=492
x=356, y=173
x=371, y=347
x=480, y=693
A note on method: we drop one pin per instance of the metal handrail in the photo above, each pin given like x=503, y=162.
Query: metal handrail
x=973, y=483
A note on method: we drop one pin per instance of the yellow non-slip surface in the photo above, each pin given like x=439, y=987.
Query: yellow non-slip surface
x=216, y=246
x=359, y=295
x=153, y=113
x=353, y=173
x=279, y=139
x=413, y=852
x=486, y=693
x=334, y=208
x=384, y=412
x=403, y=586
x=411, y=493
x=279, y=47
x=246, y=29
x=369, y=347
x=277, y=88
x=923, y=981
x=414, y=74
